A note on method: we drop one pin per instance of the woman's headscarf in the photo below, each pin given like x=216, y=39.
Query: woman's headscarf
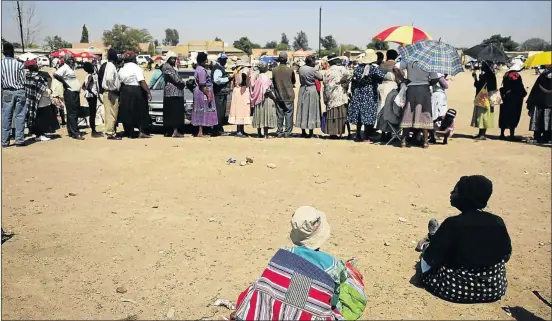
x=129, y=56
x=472, y=193
x=201, y=58
x=262, y=67
x=112, y=55
x=333, y=60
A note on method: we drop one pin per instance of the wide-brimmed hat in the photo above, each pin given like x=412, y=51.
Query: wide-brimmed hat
x=517, y=66
x=369, y=57
x=309, y=228
x=244, y=61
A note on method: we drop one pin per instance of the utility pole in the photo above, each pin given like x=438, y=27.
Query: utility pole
x=319, y=30
x=20, y=26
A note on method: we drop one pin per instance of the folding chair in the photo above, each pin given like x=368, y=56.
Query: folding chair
x=396, y=132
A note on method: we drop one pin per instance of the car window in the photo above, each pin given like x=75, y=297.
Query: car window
x=160, y=83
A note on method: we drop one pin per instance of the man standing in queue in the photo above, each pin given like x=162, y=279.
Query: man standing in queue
x=221, y=90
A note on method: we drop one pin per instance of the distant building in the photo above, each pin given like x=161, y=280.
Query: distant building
x=210, y=47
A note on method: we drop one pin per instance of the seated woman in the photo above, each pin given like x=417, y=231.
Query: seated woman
x=444, y=126
x=464, y=258
x=303, y=281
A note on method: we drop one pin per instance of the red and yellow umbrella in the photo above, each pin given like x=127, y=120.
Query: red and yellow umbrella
x=403, y=35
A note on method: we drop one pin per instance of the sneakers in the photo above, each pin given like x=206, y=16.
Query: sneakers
x=432, y=228
x=42, y=138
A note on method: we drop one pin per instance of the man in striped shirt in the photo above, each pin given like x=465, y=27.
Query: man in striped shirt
x=13, y=98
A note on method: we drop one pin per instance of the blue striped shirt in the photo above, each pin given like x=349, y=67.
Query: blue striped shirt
x=13, y=74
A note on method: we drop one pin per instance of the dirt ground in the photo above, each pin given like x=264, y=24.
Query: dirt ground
x=177, y=227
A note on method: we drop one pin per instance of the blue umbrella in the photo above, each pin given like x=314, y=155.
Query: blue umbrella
x=433, y=56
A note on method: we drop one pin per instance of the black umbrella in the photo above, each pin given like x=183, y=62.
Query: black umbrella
x=488, y=52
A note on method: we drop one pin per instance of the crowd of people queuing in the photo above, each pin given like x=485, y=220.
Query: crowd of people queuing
x=377, y=94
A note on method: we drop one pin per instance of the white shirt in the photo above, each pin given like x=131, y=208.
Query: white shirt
x=69, y=76
x=111, y=81
x=131, y=74
x=416, y=75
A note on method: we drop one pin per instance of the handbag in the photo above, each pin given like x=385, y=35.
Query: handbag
x=482, y=98
x=495, y=98
x=400, y=99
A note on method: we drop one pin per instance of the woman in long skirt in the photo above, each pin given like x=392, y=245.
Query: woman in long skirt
x=364, y=102
x=512, y=93
x=539, y=104
x=263, y=100
x=240, y=110
x=308, y=108
x=41, y=113
x=336, y=83
x=173, y=100
x=204, y=113
x=133, y=99
x=483, y=115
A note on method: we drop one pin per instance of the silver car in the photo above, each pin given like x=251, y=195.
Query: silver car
x=156, y=103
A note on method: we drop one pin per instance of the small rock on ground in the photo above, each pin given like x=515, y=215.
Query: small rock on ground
x=271, y=166
x=170, y=313
x=386, y=243
x=402, y=219
x=121, y=289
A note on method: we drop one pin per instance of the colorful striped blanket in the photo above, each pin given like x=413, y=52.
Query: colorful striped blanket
x=290, y=288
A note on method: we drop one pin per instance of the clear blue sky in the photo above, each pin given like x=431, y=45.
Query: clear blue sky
x=460, y=23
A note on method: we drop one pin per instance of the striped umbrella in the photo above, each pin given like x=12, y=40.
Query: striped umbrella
x=403, y=35
x=433, y=56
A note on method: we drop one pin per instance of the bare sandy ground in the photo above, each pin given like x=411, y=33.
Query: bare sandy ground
x=175, y=226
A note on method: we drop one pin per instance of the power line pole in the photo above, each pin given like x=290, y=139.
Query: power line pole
x=20, y=26
x=319, y=30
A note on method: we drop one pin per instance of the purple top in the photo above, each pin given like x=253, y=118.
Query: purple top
x=443, y=82
x=202, y=77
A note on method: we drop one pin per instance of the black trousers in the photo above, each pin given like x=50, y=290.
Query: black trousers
x=92, y=107
x=220, y=102
x=72, y=104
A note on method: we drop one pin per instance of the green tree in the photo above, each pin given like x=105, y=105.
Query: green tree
x=55, y=43
x=301, y=41
x=171, y=37
x=156, y=43
x=84, y=35
x=245, y=45
x=218, y=39
x=328, y=42
x=284, y=39
x=535, y=44
x=271, y=45
x=377, y=44
x=505, y=43
x=123, y=37
x=151, y=49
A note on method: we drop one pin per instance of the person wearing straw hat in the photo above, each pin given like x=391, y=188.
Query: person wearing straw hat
x=364, y=101
x=240, y=110
x=512, y=93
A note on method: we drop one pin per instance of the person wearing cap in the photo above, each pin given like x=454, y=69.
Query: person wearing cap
x=220, y=90
x=240, y=109
x=308, y=107
x=283, y=78
x=41, y=114
x=204, y=113
x=13, y=97
x=336, y=83
x=262, y=100
x=364, y=101
x=173, y=100
x=71, y=95
x=110, y=85
x=464, y=258
x=512, y=93
x=134, y=97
